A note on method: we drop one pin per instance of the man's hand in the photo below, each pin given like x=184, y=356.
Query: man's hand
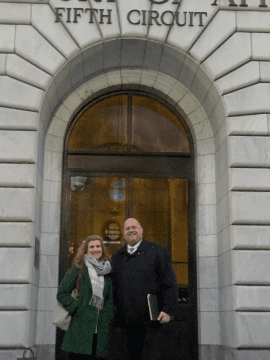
x=164, y=318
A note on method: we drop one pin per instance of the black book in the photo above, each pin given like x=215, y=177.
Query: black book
x=154, y=312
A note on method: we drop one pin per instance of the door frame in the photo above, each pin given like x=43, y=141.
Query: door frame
x=187, y=173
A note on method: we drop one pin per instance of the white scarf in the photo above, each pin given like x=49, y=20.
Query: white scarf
x=97, y=270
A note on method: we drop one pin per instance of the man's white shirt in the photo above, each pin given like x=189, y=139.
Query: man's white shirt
x=132, y=249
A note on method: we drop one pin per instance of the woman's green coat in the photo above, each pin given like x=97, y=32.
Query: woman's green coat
x=79, y=336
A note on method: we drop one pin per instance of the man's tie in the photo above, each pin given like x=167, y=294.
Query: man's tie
x=131, y=250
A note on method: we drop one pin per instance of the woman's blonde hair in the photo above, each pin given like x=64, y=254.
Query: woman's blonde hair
x=79, y=258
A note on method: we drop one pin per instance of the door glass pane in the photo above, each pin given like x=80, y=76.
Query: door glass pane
x=161, y=206
x=102, y=127
x=155, y=128
x=97, y=207
x=100, y=205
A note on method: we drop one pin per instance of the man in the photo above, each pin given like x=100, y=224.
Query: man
x=140, y=268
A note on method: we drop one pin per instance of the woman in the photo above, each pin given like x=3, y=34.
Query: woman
x=92, y=311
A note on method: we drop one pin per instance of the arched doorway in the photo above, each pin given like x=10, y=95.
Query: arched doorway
x=130, y=154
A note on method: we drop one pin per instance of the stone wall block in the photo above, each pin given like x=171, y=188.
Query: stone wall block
x=253, y=21
x=207, y=272
x=93, y=60
x=163, y=83
x=54, y=143
x=208, y=300
x=14, y=93
x=51, y=213
x=13, y=119
x=17, y=204
x=246, y=75
x=46, y=330
x=252, y=298
x=14, y=331
x=227, y=298
x=201, y=84
x=250, y=237
x=7, y=38
x=206, y=245
x=264, y=71
x=252, y=330
x=218, y=116
x=222, y=162
x=206, y=220
x=76, y=69
x=206, y=168
x=223, y=213
x=15, y=296
x=18, y=146
x=221, y=27
x=177, y=92
x=188, y=72
x=15, y=13
x=148, y=78
x=206, y=194
x=19, y=175
x=250, y=208
x=48, y=271
x=227, y=329
x=62, y=81
x=250, y=179
x=211, y=99
x=52, y=191
x=205, y=147
x=83, y=33
x=84, y=91
x=127, y=29
x=251, y=100
x=99, y=83
x=49, y=244
x=132, y=52
x=260, y=46
x=251, y=267
x=171, y=62
x=36, y=49
x=73, y=101
x=221, y=134
x=189, y=103
x=224, y=241
x=3, y=58
x=16, y=234
x=114, y=77
x=112, y=54
x=22, y=70
x=108, y=29
x=248, y=125
x=225, y=269
x=53, y=166
x=234, y=52
x=249, y=151
x=56, y=34
x=47, y=299
x=222, y=186
x=131, y=77
x=209, y=328
x=15, y=265
x=152, y=55
x=184, y=36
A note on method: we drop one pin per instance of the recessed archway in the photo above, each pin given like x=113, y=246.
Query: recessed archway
x=198, y=102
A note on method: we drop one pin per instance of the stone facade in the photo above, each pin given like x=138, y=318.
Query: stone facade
x=218, y=73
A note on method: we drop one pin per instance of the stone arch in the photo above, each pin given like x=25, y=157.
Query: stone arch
x=183, y=83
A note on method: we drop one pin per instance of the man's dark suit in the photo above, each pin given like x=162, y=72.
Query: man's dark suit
x=146, y=271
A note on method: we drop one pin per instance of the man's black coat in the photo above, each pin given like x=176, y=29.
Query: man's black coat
x=147, y=271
